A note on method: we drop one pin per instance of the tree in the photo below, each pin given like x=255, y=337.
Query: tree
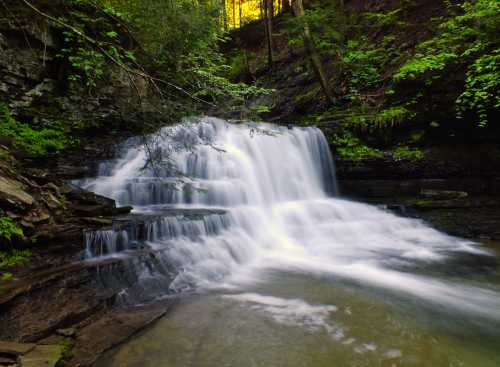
x=234, y=13
x=240, y=11
x=268, y=25
x=317, y=65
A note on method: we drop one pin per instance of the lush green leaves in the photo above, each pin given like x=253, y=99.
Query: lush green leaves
x=407, y=153
x=468, y=40
x=51, y=138
x=10, y=259
x=350, y=147
x=8, y=229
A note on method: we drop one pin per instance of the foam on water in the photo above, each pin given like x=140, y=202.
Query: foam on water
x=278, y=187
x=294, y=312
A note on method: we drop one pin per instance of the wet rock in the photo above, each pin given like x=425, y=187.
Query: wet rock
x=70, y=332
x=42, y=356
x=65, y=234
x=57, y=298
x=112, y=329
x=443, y=194
x=52, y=187
x=88, y=204
x=67, y=171
x=98, y=221
x=12, y=193
x=10, y=362
x=51, y=201
x=37, y=217
x=15, y=348
x=123, y=210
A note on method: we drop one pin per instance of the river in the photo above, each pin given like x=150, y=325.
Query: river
x=273, y=268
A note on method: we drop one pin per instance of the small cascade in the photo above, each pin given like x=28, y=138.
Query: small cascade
x=105, y=242
x=134, y=232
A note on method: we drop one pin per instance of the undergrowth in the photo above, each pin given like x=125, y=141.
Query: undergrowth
x=50, y=138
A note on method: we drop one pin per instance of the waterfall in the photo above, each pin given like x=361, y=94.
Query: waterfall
x=276, y=190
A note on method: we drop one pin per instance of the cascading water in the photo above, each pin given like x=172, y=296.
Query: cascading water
x=275, y=188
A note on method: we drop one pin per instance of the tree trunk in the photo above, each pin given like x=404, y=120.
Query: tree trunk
x=234, y=13
x=268, y=8
x=240, y=11
x=316, y=63
x=224, y=14
x=285, y=6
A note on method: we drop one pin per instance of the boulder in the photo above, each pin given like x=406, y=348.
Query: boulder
x=42, y=356
x=443, y=194
x=12, y=193
x=15, y=348
x=88, y=204
x=69, y=333
x=37, y=216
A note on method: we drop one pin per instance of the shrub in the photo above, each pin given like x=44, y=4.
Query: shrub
x=9, y=229
x=51, y=138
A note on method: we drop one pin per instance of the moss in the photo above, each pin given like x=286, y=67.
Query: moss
x=8, y=229
x=350, y=147
x=66, y=346
x=10, y=259
x=50, y=138
x=407, y=153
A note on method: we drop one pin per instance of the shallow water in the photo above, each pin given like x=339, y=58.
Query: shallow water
x=297, y=320
x=290, y=274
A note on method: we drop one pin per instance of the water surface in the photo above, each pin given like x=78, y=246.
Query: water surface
x=282, y=271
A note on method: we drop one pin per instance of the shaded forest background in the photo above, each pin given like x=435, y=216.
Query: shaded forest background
x=366, y=71
x=383, y=79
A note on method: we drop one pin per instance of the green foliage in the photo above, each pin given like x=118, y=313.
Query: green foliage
x=359, y=61
x=66, y=345
x=326, y=26
x=92, y=41
x=363, y=63
x=388, y=18
x=215, y=87
x=9, y=229
x=407, y=153
x=50, y=138
x=179, y=49
x=4, y=154
x=466, y=41
x=88, y=64
x=482, y=84
x=13, y=258
x=237, y=64
x=392, y=116
x=63, y=200
x=6, y=277
x=350, y=147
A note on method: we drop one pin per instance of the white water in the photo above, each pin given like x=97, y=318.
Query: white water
x=278, y=188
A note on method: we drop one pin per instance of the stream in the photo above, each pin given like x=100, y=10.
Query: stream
x=273, y=268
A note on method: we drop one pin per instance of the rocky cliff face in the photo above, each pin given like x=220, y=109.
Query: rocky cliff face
x=55, y=289
x=34, y=75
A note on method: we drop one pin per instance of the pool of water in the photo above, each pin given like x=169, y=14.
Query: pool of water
x=281, y=271
x=293, y=319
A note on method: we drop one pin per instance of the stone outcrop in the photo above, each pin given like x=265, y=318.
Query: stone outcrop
x=49, y=209
x=29, y=354
x=454, y=188
x=33, y=76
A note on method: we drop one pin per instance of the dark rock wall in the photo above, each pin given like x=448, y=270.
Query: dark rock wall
x=33, y=76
